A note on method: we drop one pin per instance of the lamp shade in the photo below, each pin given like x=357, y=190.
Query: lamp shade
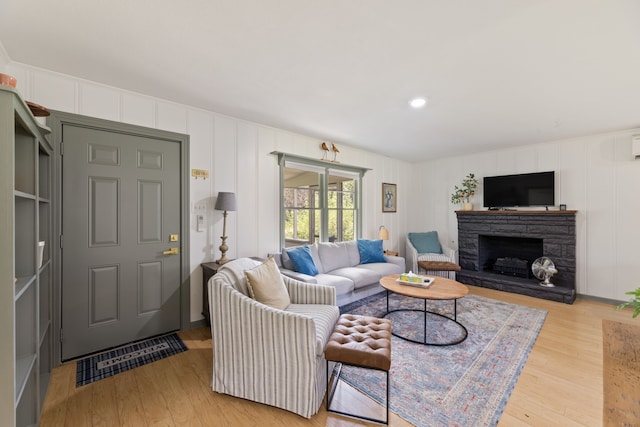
x=226, y=201
x=383, y=233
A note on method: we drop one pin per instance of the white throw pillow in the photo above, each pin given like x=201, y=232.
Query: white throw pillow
x=266, y=285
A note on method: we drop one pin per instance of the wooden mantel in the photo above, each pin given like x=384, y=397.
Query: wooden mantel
x=516, y=212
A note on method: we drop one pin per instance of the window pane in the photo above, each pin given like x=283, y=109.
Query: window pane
x=333, y=225
x=341, y=204
x=301, y=204
x=342, y=224
x=348, y=195
x=318, y=216
x=298, y=197
x=348, y=225
x=301, y=226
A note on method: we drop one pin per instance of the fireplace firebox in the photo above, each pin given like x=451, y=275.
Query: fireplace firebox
x=497, y=248
x=511, y=267
x=508, y=255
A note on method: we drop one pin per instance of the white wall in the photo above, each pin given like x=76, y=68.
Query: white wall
x=4, y=60
x=595, y=175
x=236, y=154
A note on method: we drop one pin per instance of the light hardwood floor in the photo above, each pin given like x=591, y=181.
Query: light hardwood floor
x=560, y=385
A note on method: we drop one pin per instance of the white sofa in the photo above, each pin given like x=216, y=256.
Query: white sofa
x=339, y=266
x=268, y=355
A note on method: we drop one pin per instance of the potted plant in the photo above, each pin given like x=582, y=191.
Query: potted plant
x=635, y=303
x=464, y=193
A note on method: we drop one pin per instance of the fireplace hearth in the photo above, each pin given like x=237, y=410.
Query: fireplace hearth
x=497, y=248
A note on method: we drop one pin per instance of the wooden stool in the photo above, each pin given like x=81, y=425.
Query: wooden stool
x=361, y=341
x=439, y=266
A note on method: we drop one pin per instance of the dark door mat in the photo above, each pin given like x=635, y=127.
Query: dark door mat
x=131, y=356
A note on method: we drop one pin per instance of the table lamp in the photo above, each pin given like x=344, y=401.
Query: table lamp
x=226, y=202
x=383, y=233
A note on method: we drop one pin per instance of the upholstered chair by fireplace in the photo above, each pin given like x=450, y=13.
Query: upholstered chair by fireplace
x=426, y=246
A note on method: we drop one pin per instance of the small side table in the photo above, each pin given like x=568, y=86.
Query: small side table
x=208, y=270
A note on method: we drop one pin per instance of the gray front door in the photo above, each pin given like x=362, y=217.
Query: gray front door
x=120, y=221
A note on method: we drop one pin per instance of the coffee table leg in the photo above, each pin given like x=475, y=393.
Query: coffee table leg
x=425, y=322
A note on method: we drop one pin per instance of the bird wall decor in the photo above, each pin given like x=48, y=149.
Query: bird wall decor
x=335, y=152
x=325, y=150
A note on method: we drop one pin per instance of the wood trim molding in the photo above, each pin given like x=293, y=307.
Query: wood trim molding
x=516, y=212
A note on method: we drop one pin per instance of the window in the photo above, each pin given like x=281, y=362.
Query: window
x=301, y=204
x=319, y=201
x=341, y=206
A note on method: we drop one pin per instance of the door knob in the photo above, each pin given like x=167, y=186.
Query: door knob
x=172, y=251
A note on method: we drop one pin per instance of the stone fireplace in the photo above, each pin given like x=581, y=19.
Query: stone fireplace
x=497, y=248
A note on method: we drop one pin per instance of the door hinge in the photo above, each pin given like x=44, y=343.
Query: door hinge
x=61, y=241
x=62, y=148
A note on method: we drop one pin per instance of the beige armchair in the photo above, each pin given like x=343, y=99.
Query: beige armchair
x=426, y=246
x=268, y=355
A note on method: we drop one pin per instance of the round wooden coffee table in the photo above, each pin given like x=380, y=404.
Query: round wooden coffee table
x=440, y=289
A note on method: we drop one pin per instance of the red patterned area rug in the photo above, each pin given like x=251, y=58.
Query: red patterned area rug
x=467, y=384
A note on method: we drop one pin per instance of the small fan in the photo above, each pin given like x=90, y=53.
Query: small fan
x=543, y=268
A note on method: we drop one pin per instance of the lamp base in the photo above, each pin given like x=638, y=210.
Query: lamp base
x=223, y=251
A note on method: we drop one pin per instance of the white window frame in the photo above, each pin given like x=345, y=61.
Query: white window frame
x=324, y=169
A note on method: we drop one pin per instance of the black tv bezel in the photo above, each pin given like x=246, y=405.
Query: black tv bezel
x=519, y=176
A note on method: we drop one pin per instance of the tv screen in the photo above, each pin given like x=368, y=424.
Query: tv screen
x=528, y=189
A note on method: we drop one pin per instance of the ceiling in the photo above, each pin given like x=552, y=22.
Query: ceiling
x=497, y=73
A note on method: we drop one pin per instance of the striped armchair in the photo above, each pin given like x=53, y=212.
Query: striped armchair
x=266, y=355
x=412, y=256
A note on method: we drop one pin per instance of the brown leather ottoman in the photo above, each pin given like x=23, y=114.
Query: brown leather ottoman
x=439, y=266
x=362, y=341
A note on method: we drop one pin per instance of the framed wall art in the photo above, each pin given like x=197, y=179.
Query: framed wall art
x=389, y=197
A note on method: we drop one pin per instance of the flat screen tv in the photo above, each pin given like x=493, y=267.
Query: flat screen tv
x=526, y=189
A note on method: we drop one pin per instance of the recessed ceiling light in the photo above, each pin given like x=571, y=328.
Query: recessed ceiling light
x=418, y=102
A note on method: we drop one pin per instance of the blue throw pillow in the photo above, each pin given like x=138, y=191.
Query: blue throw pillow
x=426, y=243
x=302, y=260
x=371, y=251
